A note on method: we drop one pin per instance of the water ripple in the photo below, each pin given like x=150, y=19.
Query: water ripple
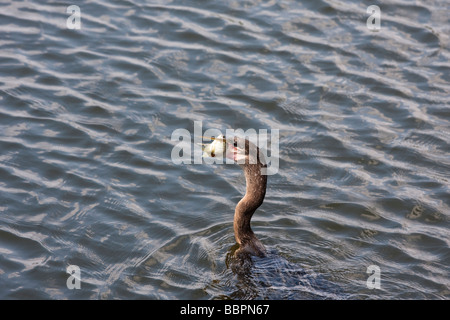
x=86, y=118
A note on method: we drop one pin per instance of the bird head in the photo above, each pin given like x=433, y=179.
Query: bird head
x=238, y=149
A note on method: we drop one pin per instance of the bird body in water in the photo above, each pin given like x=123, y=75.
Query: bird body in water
x=253, y=163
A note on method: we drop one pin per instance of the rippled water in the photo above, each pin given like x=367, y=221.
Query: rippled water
x=86, y=176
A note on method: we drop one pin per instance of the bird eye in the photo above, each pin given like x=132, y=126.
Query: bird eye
x=235, y=144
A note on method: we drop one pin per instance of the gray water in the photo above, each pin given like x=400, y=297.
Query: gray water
x=87, y=179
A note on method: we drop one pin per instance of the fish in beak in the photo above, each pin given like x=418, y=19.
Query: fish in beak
x=215, y=149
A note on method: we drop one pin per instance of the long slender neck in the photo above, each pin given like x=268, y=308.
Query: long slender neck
x=254, y=197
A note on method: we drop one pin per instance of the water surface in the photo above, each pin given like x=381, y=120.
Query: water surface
x=86, y=176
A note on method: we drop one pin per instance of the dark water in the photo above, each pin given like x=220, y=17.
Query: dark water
x=86, y=176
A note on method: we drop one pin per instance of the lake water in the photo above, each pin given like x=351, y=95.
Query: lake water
x=87, y=179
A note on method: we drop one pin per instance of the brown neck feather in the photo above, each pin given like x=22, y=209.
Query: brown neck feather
x=254, y=196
